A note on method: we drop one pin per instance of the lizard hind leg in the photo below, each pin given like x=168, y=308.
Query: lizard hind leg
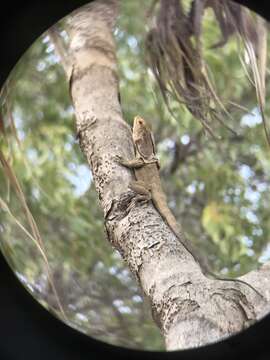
x=143, y=193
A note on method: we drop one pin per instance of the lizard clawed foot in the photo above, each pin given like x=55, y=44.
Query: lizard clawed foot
x=137, y=199
x=118, y=158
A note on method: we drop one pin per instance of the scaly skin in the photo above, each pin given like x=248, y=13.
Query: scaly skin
x=148, y=187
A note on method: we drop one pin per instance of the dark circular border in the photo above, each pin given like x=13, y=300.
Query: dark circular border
x=27, y=330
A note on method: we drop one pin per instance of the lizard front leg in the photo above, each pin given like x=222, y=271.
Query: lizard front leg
x=131, y=164
x=137, y=162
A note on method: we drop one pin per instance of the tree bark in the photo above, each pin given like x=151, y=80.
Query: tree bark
x=190, y=309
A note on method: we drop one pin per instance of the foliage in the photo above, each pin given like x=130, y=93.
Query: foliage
x=218, y=189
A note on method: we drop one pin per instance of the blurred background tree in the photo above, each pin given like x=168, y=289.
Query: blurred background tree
x=218, y=189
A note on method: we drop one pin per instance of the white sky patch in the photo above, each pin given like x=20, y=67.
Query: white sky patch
x=236, y=267
x=247, y=241
x=51, y=77
x=265, y=255
x=21, y=277
x=50, y=48
x=224, y=271
x=38, y=287
x=124, y=276
x=250, y=252
x=53, y=58
x=40, y=115
x=46, y=39
x=121, y=307
x=100, y=265
x=262, y=186
x=71, y=306
x=68, y=111
x=166, y=144
x=81, y=178
x=116, y=255
x=201, y=186
x=113, y=270
x=32, y=155
x=36, y=193
x=246, y=57
x=252, y=119
x=132, y=42
x=81, y=317
x=131, y=75
x=17, y=119
x=252, y=196
x=119, y=33
x=137, y=299
x=125, y=309
x=150, y=73
x=252, y=217
x=246, y=172
x=68, y=147
x=116, y=31
x=41, y=66
x=64, y=35
x=255, y=148
x=257, y=232
x=185, y=139
x=25, y=281
x=118, y=302
x=191, y=188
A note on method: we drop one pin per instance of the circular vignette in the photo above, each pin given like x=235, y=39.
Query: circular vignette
x=21, y=307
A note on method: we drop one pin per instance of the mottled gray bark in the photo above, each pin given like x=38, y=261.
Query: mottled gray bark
x=190, y=309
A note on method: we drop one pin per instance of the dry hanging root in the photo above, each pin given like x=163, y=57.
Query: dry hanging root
x=177, y=62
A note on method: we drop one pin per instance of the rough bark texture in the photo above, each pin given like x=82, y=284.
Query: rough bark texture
x=190, y=309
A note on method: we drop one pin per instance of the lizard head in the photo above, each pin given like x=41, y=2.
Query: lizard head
x=140, y=125
x=143, y=138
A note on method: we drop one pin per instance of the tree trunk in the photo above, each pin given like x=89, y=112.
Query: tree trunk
x=190, y=309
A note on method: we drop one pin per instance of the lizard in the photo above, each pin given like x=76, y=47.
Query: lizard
x=148, y=187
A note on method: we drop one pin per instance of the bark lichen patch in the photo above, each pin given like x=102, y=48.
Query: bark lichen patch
x=177, y=311
x=236, y=301
x=89, y=68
